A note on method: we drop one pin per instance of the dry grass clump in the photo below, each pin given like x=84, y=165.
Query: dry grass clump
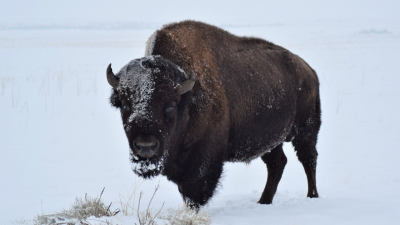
x=184, y=215
x=145, y=217
x=78, y=212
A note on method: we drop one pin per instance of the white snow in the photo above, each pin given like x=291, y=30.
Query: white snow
x=182, y=71
x=60, y=138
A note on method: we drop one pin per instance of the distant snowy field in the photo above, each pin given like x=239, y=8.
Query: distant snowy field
x=60, y=138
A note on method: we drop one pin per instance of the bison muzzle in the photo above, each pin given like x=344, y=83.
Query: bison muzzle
x=202, y=96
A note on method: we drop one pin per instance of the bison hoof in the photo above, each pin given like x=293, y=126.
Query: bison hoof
x=264, y=201
x=312, y=194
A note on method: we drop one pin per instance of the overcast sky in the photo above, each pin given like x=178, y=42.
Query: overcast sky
x=212, y=11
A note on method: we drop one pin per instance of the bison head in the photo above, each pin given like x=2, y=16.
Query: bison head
x=153, y=96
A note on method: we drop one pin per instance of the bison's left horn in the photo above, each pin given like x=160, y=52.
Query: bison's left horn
x=186, y=86
x=112, y=79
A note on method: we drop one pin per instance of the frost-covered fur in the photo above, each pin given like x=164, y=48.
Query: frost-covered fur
x=150, y=44
x=248, y=98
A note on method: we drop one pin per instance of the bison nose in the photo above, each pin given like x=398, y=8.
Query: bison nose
x=146, y=146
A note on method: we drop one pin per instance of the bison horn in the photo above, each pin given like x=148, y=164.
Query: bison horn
x=112, y=79
x=187, y=85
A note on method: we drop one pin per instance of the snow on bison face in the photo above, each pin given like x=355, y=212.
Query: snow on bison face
x=150, y=95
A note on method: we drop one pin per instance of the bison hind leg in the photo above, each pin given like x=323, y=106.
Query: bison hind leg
x=304, y=143
x=307, y=155
x=276, y=161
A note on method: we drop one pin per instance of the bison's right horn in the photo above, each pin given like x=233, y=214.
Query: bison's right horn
x=186, y=86
x=112, y=79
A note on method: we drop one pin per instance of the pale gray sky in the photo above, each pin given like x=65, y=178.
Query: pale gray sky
x=216, y=12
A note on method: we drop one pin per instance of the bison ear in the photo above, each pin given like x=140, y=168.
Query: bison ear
x=187, y=85
x=112, y=79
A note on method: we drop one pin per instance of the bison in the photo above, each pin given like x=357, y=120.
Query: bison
x=202, y=96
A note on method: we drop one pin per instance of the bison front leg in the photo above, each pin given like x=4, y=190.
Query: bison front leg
x=201, y=179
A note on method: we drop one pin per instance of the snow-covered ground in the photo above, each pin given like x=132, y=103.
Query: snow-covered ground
x=60, y=138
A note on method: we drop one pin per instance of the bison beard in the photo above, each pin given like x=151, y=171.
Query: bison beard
x=202, y=97
x=146, y=168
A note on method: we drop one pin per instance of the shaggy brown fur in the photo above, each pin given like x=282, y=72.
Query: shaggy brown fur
x=248, y=98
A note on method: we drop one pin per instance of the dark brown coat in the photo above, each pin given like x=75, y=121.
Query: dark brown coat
x=249, y=96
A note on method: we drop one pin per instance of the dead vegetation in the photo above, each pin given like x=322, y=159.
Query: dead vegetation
x=83, y=208
x=78, y=212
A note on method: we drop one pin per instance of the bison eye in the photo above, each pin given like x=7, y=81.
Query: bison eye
x=126, y=108
x=170, y=108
